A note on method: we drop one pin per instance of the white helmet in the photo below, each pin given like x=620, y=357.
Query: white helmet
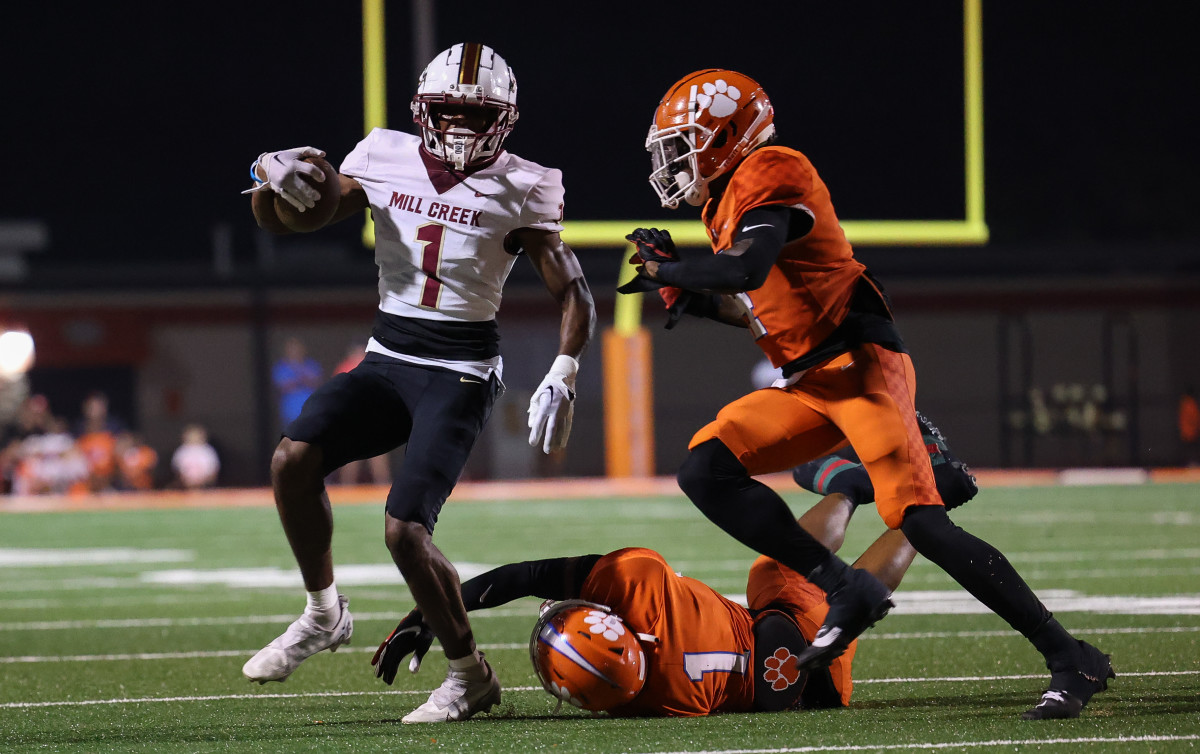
x=470, y=75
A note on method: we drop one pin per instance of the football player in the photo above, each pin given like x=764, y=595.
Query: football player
x=634, y=638
x=453, y=211
x=782, y=268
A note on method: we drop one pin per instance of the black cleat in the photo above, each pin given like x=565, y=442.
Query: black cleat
x=1072, y=685
x=858, y=602
x=1054, y=705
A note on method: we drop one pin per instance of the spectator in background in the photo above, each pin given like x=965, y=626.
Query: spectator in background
x=31, y=418
x=373, y=470
x=96, y=438
x=1189, y=427
x=296, y=376
x=50, y=464
x=136, y=462
x=195, y=463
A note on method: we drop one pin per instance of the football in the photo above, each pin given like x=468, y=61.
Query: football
x=287, y=218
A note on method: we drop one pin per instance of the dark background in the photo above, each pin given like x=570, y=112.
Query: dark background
x=130, y=133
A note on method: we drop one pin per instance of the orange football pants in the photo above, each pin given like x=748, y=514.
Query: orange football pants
x=865, y=396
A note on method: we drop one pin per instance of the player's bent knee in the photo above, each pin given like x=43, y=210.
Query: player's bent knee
x=405, y=539
x=295, y=463
x=926, y=525
x=707, y=472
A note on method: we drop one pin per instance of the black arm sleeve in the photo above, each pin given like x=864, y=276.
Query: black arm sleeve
x=743, y=266
x=552, y=579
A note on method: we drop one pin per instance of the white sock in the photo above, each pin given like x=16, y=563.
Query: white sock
x=323, y=607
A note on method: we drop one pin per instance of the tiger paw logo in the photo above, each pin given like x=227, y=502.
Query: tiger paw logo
x=782, y=670
x=719, y=98
x=604, y=623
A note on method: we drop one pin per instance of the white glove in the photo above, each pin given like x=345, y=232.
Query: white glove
x=553, y=405
x=283, y=170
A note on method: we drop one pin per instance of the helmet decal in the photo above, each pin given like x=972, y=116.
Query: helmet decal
x=604, y=623
x=719, y=98
x=468, y=69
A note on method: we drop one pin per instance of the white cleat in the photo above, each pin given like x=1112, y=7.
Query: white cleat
x=461, y=695
x=301, y=640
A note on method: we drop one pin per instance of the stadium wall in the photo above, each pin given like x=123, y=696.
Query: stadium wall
x=199, y=356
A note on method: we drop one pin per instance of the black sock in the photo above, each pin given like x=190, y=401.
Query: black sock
x=984, y=572
x=750, y=511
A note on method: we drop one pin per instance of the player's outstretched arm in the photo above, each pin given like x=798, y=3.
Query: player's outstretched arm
x=828, y=519
x=888, y=558
x=553, y=403
x=554, y=578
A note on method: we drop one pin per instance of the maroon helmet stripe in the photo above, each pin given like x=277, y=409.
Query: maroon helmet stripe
x=468, y=70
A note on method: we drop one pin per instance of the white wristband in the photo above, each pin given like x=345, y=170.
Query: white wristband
x=565, y=366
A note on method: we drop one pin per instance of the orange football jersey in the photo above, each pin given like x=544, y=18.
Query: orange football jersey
x=807, y=292
x=700, y=662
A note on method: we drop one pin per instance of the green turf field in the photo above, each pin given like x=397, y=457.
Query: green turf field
x=126, y=632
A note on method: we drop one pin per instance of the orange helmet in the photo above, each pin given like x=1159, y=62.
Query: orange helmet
x=707, y=122
x=585, y=655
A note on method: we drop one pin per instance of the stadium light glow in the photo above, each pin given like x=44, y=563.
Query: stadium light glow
x=16, y=353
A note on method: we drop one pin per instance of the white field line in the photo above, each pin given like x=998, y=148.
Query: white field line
x=245, y=620
x=1038, y=742
x=498, y=612
x=217, y=653
x=316, y=694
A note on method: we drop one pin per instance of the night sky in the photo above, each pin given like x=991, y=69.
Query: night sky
x=132, y=138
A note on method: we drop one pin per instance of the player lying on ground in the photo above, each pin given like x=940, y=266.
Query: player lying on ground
x=634, y=638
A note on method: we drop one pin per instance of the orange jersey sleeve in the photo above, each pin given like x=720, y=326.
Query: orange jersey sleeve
x=807, y=292
x=772, y=584
x=700, y=662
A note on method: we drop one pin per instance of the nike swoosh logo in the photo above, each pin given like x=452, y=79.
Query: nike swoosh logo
x=752, y=227
x=847, y=366
x=483, y=596
x=465, y=379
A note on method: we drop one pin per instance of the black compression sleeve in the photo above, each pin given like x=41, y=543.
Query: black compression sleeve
x=743, y=266
x=554, y=578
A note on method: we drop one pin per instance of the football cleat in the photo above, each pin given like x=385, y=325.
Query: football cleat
x=1073, y=685
x=857, y=603
x=461, y=695
x=301, y=640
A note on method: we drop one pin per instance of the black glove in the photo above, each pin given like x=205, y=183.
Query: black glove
x=653, y=245
x=640, y=285
x=677, y=306
x=413, y=637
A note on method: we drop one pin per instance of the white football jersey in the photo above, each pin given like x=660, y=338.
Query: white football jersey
x=441, y=254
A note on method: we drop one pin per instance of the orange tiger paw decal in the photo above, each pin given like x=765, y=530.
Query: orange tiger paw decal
x=782, y=670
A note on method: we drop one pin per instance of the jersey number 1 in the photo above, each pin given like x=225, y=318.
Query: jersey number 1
x=430, y=236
